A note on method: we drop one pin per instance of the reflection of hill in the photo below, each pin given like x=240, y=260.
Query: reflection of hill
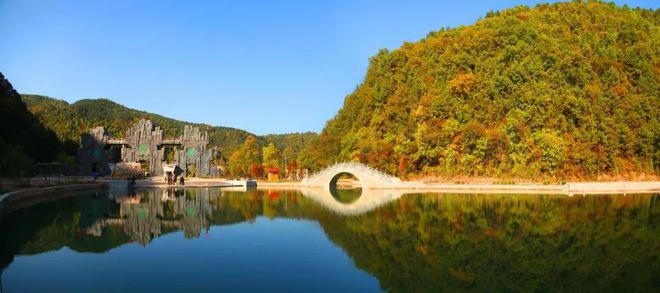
x=53, y=225
x=93, y=223
x=414, y=243
x=154, y=212
x=521, y=243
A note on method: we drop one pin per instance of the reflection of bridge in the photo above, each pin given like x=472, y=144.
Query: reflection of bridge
x=378, y=188
x=369, y=199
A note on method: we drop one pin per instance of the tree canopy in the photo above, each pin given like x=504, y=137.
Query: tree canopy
x=69, y=121
x=244, y=161
x=23, y=139
x=271, y=155
x=559, y=90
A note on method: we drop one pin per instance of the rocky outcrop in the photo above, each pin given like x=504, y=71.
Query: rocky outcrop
x=144, y=143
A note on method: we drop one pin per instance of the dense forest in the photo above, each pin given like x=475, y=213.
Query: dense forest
x=558, y=91
x=23, y=139
x=566, y=90
x=69, y=121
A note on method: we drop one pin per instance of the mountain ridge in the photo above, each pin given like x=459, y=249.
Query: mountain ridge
x=70, y=120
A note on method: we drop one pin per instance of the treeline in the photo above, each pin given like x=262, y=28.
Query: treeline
x=566, y=90
x=23, y=139
x=282, y=154
x=70, y=121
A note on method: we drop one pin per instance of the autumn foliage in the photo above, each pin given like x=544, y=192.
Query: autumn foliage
x=566, y=90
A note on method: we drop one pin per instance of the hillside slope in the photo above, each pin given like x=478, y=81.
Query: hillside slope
x=23, y=139
x=567, y=90
x=69, y=121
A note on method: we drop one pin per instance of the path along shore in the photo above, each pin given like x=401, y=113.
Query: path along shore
x=25, y=197
x=573, y=188
x=620, y=187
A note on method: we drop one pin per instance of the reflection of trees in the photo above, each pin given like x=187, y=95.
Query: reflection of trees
x=52, y=225
x=512, y=243
x=415, y=243
x=152, y=213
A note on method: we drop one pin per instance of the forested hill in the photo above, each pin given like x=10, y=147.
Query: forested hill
x=23, y=140
x=69, y=121
x=566, y=90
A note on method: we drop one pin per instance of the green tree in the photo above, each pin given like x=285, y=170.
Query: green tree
x=271, y=156
x=23, y=138
x=245, y=156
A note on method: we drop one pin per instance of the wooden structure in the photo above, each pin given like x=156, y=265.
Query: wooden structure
x=273, y=173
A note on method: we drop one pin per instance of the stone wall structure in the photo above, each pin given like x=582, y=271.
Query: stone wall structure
x=93, y=154
x=194, y=152
x=145, y=143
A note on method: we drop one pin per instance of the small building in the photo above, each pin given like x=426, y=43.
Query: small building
x=273, y=173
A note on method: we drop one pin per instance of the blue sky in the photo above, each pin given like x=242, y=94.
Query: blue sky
x=262, y=66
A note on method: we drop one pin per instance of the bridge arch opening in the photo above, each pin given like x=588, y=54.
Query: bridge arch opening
x=345, y=187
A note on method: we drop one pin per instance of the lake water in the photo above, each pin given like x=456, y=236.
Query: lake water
x=195, y=239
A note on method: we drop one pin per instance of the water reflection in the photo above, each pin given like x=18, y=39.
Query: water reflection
x=413, y=242
x=346, y=195
x=352, y=201
x=345, y=188
x=147, y=213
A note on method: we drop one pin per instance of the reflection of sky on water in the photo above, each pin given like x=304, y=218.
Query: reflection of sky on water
x=146, y=213
x=307, y=240
x=279, y=255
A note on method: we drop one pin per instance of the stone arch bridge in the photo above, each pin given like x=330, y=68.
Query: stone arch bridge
x=369, y=178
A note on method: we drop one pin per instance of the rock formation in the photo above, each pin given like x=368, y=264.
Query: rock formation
x=144, y=143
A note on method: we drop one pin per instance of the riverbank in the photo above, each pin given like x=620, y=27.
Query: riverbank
x=571, y=188
x=14, y=184
x=28, y=196
x=188, y=182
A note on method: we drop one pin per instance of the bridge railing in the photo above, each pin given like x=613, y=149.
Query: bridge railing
x=348, y=166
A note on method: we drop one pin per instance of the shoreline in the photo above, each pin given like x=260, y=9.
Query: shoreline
x=570, y=188
x=25, y=197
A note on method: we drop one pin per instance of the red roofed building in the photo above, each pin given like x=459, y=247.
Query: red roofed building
x=273, y=173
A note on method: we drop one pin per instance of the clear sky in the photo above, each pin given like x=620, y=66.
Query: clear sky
x=263, y=66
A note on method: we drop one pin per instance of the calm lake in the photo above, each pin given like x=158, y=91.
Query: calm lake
x=197, y=239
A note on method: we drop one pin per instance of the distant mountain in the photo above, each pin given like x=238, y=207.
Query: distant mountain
x=559, y=90
x=69, y=121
